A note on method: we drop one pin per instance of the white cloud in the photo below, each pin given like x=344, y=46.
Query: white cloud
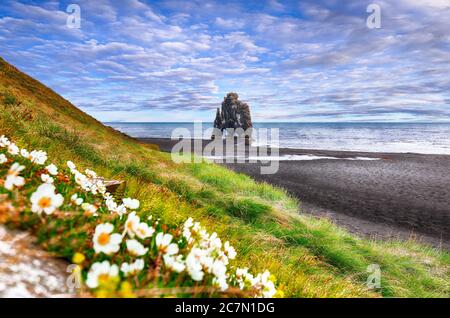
x=229, y=23
x=137, y=56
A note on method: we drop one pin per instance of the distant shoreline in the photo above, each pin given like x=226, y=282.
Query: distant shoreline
x=402, y=138
x=401, y=195
x=283, y=122
x=166, y=145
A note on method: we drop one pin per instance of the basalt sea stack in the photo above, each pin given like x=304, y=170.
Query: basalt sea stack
x=233, y=114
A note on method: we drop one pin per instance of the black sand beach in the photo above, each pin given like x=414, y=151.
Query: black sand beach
x=397, y=196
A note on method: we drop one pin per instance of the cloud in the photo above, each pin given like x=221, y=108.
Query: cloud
x=313, y=60
x=229, y=23
x=275, y=5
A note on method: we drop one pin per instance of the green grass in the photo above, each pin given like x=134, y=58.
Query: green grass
x=309, y=257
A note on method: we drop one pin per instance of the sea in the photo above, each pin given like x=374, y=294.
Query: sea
x=425, y=138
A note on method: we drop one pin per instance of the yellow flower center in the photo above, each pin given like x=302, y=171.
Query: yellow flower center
x=103, y=239
x=45, y=202
x=103, y=278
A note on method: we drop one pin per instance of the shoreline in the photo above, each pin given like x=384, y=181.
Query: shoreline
x=166, y=145
x=399, y=195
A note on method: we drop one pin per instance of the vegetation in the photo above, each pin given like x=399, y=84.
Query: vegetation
x=128, y=252
x=309, y=257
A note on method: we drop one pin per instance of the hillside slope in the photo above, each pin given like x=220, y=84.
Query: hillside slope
x=309, y=257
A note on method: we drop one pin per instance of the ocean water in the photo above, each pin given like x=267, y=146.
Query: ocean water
x=426, y=138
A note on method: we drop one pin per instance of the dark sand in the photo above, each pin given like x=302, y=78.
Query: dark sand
x=399, y=196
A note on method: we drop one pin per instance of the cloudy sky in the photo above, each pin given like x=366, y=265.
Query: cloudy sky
x=142, y=60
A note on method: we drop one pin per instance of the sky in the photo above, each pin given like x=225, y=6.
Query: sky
x=306, y=61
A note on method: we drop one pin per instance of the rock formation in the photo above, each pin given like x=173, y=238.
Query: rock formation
x=233, y=114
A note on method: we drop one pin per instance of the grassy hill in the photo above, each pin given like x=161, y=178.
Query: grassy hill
x=309, y=257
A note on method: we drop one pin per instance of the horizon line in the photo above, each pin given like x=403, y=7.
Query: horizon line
x=284, y=122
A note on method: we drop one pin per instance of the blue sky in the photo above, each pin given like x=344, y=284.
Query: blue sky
x=174, y=60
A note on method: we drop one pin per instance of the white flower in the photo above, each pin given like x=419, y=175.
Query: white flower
x=229, y=250
x=173, y=263
x=113, y=207
x=81, y=180
x=46, y=178
x=101, y=187
x=90, y=173
x=269, y=290
x=201, y=232
x=107, y=196
x=76, y=200
x=143, y=230
x=89, y=208
x=193, y=265
x=3, y=159
x=190, y=228
x=135, y=248
x=163, y=242
x=265, y=285
x=13, y=179
x=132, y=223
x=100, y=273
x=206, y=261
x=110, y=203
x=93, y=185
x=221, y=283
x=104, y=241
x=52, y=169
x=71, y=165
x=262, y=283
x=218, y=269
x=134, y=226
x=119, y=209
x=132, y=268
x=45, y=199
x=24, y=153
x=189, y=223
x=131, y=204
x=4, y=142
x=38, y=156
x=243, y=273
x=13, y=149
x=243, y=277
x=214, y=241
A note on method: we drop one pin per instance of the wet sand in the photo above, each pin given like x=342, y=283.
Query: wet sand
x=397, y=196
